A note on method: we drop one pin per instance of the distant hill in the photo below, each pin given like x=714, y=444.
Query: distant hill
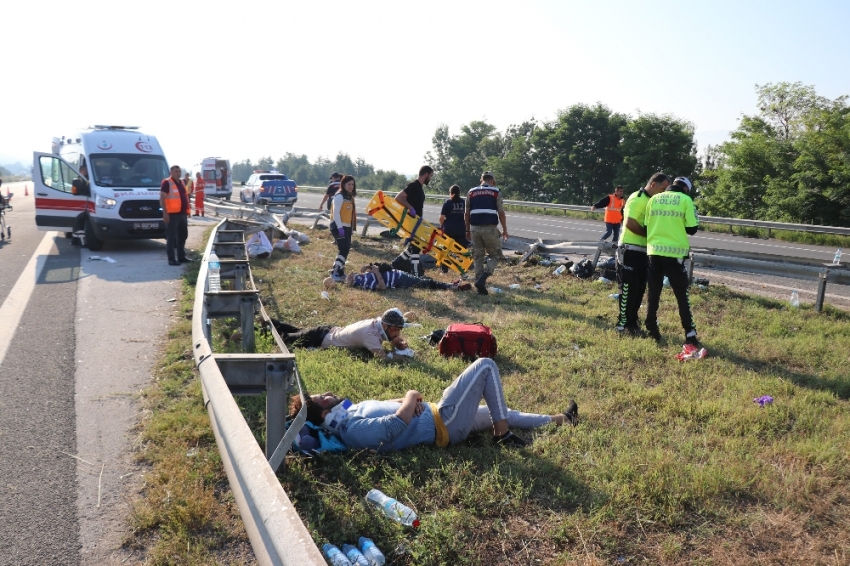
x=13, y=166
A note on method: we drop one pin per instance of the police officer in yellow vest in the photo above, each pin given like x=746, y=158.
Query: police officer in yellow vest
x=669, y=219
x=632, y=265
x=344, y=215
x=613, y=205
x=175, y=214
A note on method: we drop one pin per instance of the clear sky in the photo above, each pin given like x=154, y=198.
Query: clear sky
x=376, y=78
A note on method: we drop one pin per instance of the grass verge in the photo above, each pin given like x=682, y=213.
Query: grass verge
x=673, y=463
x=186, y=513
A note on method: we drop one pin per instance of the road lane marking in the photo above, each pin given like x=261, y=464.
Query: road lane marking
x=16, y=303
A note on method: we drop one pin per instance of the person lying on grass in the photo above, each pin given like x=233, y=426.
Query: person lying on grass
x=369, y=334
x=386, y=426
x=381, y=276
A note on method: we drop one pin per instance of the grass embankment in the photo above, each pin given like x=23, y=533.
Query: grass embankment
x=672, y=463
x=186, y=513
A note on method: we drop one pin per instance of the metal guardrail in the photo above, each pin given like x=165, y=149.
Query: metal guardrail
x=731, y=222
x=277, y=534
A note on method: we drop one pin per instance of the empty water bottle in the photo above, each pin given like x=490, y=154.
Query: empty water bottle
x=514, y=286
x=392, y=508
x=335, y=555
x=836, y=260
x=795, y=298
x=372, y=553
x=213, y=274
x=495, y=290
x=354, y=556
x=614, y=296
x=666, y=282
x=560, y=270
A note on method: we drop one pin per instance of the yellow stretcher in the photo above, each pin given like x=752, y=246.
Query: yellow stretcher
x=427, y=237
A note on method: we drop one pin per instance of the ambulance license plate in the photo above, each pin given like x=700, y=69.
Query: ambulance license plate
x=145, y=225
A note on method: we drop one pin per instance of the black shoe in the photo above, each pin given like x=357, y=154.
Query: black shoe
x=510, y=439
x=571, y=414
x=692, y=340
x=632, y=331
x=481, y=283
x=184, y=260
x=172, y=262
x=653, y=333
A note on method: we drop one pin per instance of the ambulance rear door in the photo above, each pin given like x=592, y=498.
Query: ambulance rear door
x=56, y=204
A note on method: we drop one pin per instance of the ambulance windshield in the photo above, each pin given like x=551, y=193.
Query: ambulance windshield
x=127, y=170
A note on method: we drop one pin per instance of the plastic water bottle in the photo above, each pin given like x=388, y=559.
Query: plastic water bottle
x=514, y=286
x=335, y=555
x=326, y=296
x=560, y=270
x=666, y=281
x=836, y=260
x=354, y=556
x=372, y=553
x=795, y=298
x=213, y=274
x=614, y=296
x=392, y=508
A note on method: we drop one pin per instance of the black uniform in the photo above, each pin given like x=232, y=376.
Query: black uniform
x=408, y=260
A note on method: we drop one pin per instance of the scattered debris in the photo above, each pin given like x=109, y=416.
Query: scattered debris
x=763, y=400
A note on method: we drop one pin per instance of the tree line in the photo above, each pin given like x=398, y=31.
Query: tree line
x=790, y=162
x=303, y=172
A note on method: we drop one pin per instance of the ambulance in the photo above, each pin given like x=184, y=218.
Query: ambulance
x=217, y=177
x=125, y=170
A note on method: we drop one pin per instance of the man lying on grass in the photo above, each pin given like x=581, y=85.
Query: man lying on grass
x=369, y=334
x=386, y=426
x=382, y=276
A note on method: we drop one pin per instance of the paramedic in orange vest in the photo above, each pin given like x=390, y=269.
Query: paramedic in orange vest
x=175, y=212
x=198, y=191
x=613, y=205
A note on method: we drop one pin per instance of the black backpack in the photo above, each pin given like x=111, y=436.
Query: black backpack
x=583, y=269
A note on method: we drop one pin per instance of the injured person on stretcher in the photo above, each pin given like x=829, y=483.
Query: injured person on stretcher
x=392, y=425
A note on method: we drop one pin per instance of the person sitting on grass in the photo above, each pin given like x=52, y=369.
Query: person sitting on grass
x=370, y=334
x=392, y=425
x=382, y=276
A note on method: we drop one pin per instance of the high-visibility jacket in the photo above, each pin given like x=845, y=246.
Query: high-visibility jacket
x=200, y=185
x=343, y=211
x=173, y=202
x=614, y=210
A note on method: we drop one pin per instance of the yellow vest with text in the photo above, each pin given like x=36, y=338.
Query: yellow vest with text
x=666, y=217
x=346, y=213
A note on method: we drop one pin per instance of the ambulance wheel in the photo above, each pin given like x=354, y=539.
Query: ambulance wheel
x=92, y=241
x=69, y=235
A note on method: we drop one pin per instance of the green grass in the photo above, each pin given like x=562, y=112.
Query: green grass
x=185, y=513
x=672, y=463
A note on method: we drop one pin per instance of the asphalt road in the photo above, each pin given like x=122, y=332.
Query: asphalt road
x=85, y=346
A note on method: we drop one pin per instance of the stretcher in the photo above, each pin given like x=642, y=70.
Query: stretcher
x=424, y=235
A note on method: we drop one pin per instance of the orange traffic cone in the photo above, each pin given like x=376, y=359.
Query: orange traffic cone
x=26, y=191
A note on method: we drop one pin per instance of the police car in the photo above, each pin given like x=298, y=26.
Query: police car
x=269, y=187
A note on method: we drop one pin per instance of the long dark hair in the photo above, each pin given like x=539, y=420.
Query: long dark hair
x=345, y=179
x=454, y=192
x=314, y=412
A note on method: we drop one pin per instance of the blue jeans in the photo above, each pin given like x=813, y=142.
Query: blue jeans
x=609, y=229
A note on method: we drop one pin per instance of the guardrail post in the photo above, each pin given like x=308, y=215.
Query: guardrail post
x=821, y=290
x=316, y=221
x=276, y=387
x=598, y=253
x=246, y=319
x=769, y=232
x=366, y=226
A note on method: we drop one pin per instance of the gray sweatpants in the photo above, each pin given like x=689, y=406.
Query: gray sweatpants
x=459, y=406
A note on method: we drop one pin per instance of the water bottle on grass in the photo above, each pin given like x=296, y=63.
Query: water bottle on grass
x=392, y=508
x=335, y=555
x=354, y=556
x=213, y=274
x=372, y=553
x=795, y=298
x=836, y=260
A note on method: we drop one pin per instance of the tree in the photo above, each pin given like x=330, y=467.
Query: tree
x=579, y=153
x=653, y=143
x=461, y=159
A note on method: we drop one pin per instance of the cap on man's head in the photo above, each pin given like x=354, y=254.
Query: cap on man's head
x=336, y=174
x=393, y=317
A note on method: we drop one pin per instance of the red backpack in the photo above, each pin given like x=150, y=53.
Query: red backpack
x=468, y=340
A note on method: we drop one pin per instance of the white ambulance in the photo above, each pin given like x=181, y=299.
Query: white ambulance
x=125, y=171
x=217, y=177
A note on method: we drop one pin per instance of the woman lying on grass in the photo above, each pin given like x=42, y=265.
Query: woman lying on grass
x=386, y=426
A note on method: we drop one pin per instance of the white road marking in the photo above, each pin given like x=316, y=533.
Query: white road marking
x=16, y=303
